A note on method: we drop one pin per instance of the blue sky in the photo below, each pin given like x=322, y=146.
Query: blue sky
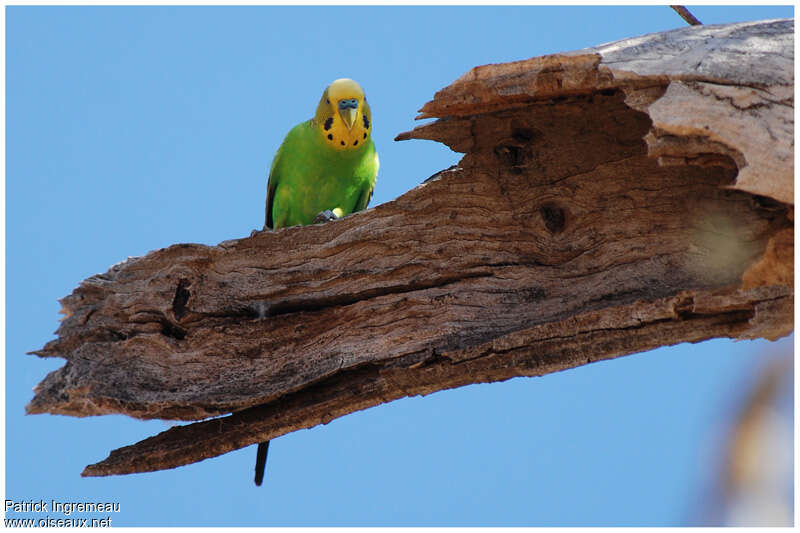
x=132, y=128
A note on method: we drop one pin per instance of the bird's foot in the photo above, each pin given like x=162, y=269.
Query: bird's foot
x=325, y=216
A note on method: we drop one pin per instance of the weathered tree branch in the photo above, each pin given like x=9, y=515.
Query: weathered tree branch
x=611, y=200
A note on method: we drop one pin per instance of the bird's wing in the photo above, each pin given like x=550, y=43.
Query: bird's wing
x=292, y=139
x=364, y=198
x=366, y=192
x=271, y=185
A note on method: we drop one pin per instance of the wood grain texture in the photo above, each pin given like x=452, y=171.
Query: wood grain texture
x=592, y=216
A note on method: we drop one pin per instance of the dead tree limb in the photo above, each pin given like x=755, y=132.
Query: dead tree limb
x=610, y=201
x=686, y=15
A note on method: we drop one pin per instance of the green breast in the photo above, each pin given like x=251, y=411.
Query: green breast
x=309, y=176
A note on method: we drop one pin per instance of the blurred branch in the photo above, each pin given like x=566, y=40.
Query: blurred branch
x=759, y=459
x=607, y=204
x=686, y=15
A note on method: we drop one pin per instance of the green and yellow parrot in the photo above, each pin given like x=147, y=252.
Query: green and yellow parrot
x=325, y=168
x=327, y=163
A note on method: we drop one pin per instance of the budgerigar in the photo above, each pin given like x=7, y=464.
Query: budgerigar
x=325, y=168
x=327, y=163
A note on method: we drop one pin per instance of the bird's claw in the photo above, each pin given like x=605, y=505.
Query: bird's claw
x=325, y=216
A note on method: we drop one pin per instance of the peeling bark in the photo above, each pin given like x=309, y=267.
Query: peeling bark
x=610, y=201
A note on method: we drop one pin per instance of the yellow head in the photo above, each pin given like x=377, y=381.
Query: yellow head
x=343, y=116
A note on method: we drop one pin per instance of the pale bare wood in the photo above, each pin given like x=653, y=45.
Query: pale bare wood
x=586, y=221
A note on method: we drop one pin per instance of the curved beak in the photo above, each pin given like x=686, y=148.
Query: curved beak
x=348, y=110
x=348, y=116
